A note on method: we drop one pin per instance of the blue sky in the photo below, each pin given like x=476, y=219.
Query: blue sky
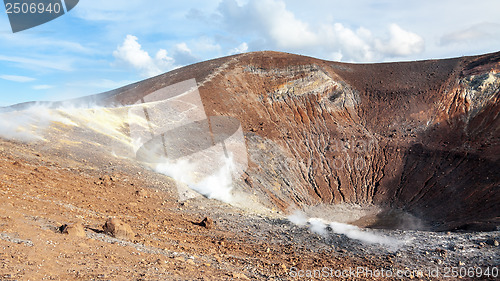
x=102, y=45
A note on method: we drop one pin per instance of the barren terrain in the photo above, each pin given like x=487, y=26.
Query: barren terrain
x=408, y=150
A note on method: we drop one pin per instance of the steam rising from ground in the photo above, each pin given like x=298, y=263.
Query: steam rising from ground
x=217, y=185
x=39, y=121
x=29, y=124
x=210, y=172
x=322, y=227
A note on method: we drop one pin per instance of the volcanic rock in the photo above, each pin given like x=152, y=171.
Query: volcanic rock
x=118, y=229
x=207, y=223
x=75, y=229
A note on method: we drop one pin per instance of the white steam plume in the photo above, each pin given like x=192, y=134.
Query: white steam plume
x=357, y=233
x=217, y=185
x=298, y=218
x=29, y=124
x=321, y=226
x=38, y=121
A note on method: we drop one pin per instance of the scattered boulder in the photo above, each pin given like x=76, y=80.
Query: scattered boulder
x=75, y=229
x=118, y=229
x=207, y=223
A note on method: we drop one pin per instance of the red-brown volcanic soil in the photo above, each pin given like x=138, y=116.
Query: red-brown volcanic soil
x=412, y=138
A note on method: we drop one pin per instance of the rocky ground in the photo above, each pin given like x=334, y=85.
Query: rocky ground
x=42, y=190
x=406, y=148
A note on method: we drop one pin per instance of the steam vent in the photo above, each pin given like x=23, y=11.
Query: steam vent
x=421, y=138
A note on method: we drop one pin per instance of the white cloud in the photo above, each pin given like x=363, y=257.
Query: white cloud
x=206, y=44
x=31, y=41
x=17, y=78
x=269, y=19
x=474, y=33
x=242, y=48
x=42, y=87
x=281, y=25
x=60, y=64
x=107, y=11
x=143, y=18
x=346, y=43
x=401, y=43
x=270, y=25
x=163, y=61
x=98, y=84
x=132, y=54
x=182, y=55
